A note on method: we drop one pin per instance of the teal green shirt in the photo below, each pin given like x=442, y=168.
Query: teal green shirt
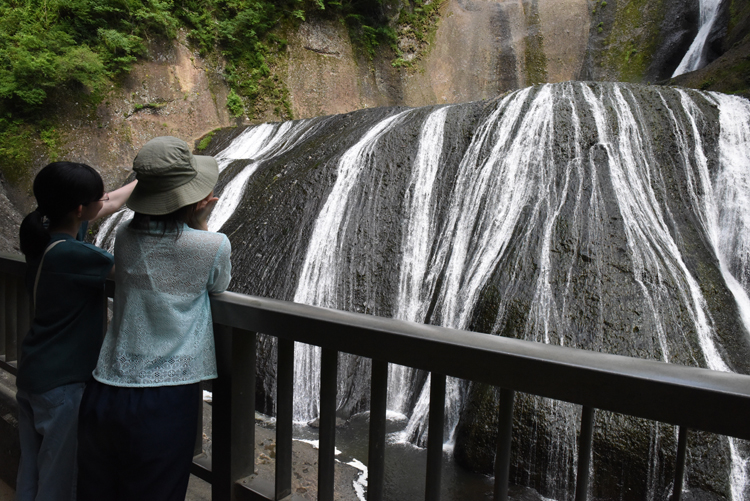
x=66, y=333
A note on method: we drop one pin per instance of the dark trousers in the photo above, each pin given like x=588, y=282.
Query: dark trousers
x=136, y=443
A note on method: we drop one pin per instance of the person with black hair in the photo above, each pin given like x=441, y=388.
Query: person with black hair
x=65, y=278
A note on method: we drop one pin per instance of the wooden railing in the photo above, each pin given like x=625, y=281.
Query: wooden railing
x=689, y=397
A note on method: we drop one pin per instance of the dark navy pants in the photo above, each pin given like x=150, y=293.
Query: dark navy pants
x=136, y=443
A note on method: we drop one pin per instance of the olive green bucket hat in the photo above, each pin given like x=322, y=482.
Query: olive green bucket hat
x=170, y=177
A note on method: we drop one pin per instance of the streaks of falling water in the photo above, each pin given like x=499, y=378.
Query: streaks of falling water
x=703, y=198
x=257, y=143
x=732, y=191
x=414, y=291
x=475, y=178
x=246, y=145
x=731, y=238
x=695, y=57
x=318, y=284
x=652, y=248
x=499, y=181
x=105, y=236
x=649, y=240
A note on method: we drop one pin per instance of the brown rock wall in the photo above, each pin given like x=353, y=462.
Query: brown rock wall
x=173, y=92
x=479, y=51
x=565, y=30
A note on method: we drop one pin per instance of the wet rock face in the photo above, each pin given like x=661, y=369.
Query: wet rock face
x=571, y=214
x=593, y=267
x=10, y=221
x=678, y=30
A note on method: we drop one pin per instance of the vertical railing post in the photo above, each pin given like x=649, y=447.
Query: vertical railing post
x=585, y=442
x=326, y=454
x=284, y=416
x=679, y=467
x=23, y=304
x=435, y=437
x=4, y=312
x=376, y=455
x=198, y=447
x=233, y=420
x=504, y=436
x=11, y=318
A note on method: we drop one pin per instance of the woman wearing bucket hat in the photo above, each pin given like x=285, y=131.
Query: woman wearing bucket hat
x=138, y=419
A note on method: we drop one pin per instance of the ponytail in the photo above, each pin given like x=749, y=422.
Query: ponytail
x=33, y=235
x=59, y=188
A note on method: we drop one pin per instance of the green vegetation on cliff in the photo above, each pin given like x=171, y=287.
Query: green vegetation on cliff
x=633, y=38
x=78, y=48
x=71, y=46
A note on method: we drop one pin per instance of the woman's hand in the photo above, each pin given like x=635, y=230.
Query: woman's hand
x=203, y=209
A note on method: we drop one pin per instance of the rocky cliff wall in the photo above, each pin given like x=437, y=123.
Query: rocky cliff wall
x=480, y=49
x=477, y=50
x=172, y=92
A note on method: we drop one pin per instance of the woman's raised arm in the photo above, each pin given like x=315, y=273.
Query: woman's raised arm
x=116, y=199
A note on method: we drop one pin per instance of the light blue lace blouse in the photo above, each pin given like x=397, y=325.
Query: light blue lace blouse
x=161, y=332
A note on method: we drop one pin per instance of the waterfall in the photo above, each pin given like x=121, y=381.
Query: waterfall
x=731, y=231
x=652, y=247
x=318, y=282
x=731, y=237
x=608, y=217
x=695, y=58
x=415, y=290
x=256, y=143
x=105, y=235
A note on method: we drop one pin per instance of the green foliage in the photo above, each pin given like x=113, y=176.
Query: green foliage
x=49, y=47
x=738, y=9
x=45, y=44
x=16, y=142
x=148, y=106
x=69, y=46
x=51, y=139
x=235, y=105
x=706, y=84
x=206, y=141
x=420, y=19
x=633, y=38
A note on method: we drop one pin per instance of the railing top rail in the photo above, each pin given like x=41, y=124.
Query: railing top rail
x=697, y=398
x=690, y=396
x=14, y=264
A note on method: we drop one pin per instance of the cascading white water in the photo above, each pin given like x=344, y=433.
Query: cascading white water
x=489, y=194
x=653, y=250
x=731, y=236
x=105, y=236
x=571, y=155
x=415, y=290
x=517, y=175
x=246, y=145
x=256, y=143
x=732, y=190
x=724, y=211
x=695, y=58
x=318, y=282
